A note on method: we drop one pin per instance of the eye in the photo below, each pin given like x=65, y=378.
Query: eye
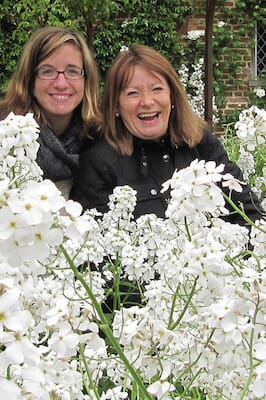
x=157, y=89
x=46, y=71
x=131, y=93
x=74, y=71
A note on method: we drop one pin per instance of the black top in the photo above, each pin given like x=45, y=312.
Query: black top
x=102, y=168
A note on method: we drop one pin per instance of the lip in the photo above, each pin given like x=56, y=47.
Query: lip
x=61, y=97
x=148, y=116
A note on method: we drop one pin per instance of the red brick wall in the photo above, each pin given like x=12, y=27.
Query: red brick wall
x=236, y=96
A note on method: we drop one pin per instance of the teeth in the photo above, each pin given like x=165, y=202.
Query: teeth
x=60, y=97
x=148, y=115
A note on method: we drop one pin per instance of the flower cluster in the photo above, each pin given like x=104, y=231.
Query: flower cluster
x=193, y=80
x=247, y=147
x=104, y=307
x=18, y=147
x=251, y=127
x=195, y=34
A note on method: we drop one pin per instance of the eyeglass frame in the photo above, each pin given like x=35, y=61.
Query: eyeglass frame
x=81, y=70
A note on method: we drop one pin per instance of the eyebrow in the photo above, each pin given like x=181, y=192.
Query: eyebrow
x=68, y=65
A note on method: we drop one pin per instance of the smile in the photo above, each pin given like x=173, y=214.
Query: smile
x=60, y=97
x=148, y=116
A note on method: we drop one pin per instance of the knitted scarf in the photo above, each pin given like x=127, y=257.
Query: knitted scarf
x=58, y=156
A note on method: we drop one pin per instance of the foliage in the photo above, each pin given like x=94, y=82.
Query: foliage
x=18, y=20
x=193, y=326
x=109, y=25
x=153, y=23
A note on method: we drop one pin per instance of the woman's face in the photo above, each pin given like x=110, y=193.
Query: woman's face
x=59, y=97
x=145, y=104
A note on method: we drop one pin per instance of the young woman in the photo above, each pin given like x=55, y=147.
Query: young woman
x=56, y=79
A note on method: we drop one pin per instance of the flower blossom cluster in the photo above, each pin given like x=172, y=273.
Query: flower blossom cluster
x=97, y=307
x=195, y=34
x=250, y=130
x=251, y=127
x=193, y=80
x=18, y=146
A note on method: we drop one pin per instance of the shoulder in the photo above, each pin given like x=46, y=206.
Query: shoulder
x=98, y=150
x=208, y=137
x=210, y=145
x=90, y=145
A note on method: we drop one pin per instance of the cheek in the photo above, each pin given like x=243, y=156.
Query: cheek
x=38, y=89
x=126, y=108
x=81, y=90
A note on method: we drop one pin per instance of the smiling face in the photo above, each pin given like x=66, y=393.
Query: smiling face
x=145, y=104
x=59, y=97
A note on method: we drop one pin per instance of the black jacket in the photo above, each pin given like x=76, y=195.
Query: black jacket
x=151, y=164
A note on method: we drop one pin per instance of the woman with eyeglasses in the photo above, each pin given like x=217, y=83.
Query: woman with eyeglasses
x=57, y=80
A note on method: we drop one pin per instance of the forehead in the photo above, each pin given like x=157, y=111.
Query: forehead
x=139, y=73
x=67, y=51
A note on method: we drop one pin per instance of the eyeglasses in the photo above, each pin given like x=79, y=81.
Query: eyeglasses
x=49, y=73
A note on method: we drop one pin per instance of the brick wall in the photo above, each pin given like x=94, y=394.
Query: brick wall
x=236, y=97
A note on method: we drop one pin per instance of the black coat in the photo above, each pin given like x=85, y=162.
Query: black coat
x=102, y=169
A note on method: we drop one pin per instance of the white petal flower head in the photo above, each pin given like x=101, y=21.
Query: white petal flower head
x=115, y=393
x=259, y=92
x=65, y=341
x=73, y=208
x=56, y=313
x=161, y=389
x=9, y=390
x=18, y=147
x=123, y=48
x=220, y=24
x=232, y=183
x=260, y=350
x=45, y=195
x=195, y=34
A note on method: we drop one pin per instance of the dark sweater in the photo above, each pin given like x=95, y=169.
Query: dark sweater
x=102, y=168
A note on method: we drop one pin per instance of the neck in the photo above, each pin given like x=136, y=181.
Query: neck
x=59, y=124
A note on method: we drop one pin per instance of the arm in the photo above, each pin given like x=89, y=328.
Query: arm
x=95, y=180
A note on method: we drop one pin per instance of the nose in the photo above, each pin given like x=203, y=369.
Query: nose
x=61, y=80
x=147, y=99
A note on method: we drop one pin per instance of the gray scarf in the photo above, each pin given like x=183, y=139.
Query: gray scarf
x=58, y=157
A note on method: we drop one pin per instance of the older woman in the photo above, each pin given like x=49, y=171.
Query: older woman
x=57, y=80
x=150, y=131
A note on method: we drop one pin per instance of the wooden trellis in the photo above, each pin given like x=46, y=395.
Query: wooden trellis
x=210, y=7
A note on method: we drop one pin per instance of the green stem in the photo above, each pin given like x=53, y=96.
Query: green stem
x=243, y=215
x=187, y=230
x=186, y=370
x=173, y=307
x=174, y=325
x=82, y=356
x=106, y=328
x=250, y=355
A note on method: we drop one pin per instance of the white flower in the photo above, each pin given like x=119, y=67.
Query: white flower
x=60, y=310
x=65, y=341
x=202, y=315
x=114, y=394
x=160, y=389
x=220, y=24
x=9, y=390
x=259, y=92
x=232, y=183
x=195, y=34
x=123, y=48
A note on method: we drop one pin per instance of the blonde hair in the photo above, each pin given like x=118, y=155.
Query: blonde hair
x=184, y=125
x=19, y=96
